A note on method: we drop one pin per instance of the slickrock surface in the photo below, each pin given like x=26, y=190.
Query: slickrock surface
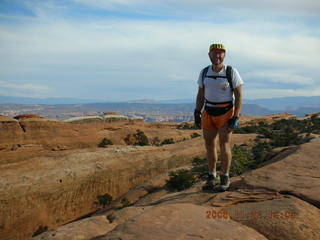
x=279, y=201
x=53, y=190
x=180, y=221
x=33, y=136
x=59, y=187
x=51, y=173
x=298, y=174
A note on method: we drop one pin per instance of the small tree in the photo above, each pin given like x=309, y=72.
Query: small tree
x=138, y=138
x=125, y=202
x=141, y=138
x=105, y=142
x=105, y=199
x=180, y=179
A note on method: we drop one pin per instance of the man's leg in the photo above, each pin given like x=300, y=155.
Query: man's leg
x=225, y=157
x=225, y=149
x=210, y=138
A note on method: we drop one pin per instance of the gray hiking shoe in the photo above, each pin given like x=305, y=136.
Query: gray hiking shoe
x=211, y=182
x=225, y=182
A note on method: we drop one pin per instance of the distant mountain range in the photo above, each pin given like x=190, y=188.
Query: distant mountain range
x=287, y=103
x=28, y=100
x=295, y=105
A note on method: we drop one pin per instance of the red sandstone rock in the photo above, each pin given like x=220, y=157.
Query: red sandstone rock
x=54, y=188
x=180, y=221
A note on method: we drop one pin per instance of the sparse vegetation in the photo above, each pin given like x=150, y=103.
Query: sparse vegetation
x=142, y=139
x=125, y=202
x=198, y=161
x=186, y=125
x=282, y=133
x=104, y=200
x=105, y=142
x=311, y=125
x=181, y=179
x=241, y=161
x=167, y=141
x=260, y=152
x=138, y=138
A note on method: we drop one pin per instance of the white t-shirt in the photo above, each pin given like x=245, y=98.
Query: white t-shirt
x=218, y=89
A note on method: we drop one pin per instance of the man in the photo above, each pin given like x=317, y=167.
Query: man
x=220, y=94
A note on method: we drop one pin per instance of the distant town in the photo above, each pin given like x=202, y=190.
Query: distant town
x=149, y=110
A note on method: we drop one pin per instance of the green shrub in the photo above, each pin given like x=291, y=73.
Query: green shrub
x=104, y=200
x=125, y=202
x=198, y=161
x=138, y=138
x=241, y=161
x=286, y=138
x=201, y=171
x=141, y=138
x=180, y=179
x=260, y=151
x=284, y=132
x=167, y=141
x=247, y=129
x=105, y=142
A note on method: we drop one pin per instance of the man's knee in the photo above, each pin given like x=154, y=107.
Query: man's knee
x=210, y=145
x=225, y=150
x=225, y=146
x=210, y=137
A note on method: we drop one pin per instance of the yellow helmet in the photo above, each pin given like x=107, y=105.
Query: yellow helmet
x=217, y=46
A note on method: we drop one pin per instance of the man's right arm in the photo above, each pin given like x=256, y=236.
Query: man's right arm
x=200, y=99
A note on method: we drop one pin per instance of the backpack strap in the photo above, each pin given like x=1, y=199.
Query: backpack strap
x=204, y=74
x=229, y=76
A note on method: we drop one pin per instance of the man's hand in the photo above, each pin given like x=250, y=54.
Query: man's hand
x=197, y=119
x=232, y=123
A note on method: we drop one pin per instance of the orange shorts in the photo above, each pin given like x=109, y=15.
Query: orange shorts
x=215, y=122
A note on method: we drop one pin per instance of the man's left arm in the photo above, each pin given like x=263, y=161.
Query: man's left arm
x=238, y=100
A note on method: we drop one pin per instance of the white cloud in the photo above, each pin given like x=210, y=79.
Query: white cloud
x=273, y=93
x=24, y=86
x=174, y=7
x=114, y=53
x=281, y=76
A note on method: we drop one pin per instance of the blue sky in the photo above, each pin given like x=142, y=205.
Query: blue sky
x=137, y=49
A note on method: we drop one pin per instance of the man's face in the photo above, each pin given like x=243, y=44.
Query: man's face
x=217, y=56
